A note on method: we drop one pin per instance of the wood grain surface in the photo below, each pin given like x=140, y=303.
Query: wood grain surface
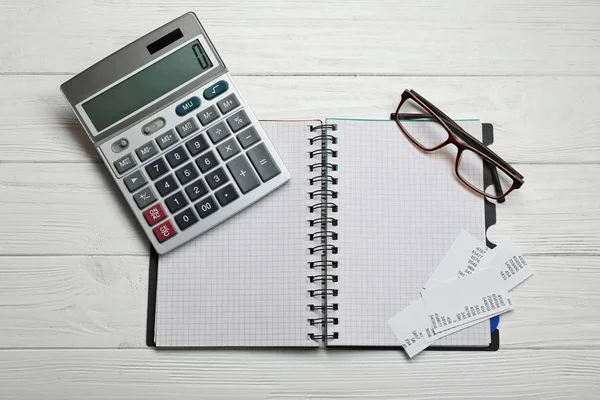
x=74, y=264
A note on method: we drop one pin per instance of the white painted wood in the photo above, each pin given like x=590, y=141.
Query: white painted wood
x=100, y=301
x=532, y=123
x=76, y=209
x=73, y=271
x=471, y=37
x=289, y=374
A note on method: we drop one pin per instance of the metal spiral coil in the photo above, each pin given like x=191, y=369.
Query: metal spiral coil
x=324, y=237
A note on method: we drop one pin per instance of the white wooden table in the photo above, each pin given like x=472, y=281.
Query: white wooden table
x=73, y=263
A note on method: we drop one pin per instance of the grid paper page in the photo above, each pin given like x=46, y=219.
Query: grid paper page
x=400, y=209
x=244, y=283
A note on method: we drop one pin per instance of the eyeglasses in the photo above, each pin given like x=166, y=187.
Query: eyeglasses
x=436, y=130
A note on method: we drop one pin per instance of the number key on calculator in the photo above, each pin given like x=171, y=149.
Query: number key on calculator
x=185, y=149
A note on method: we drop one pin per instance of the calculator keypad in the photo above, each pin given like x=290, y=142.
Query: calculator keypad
x=146, y=151
x=238, y=120
x=207, y=161
x=177, y=157
x=176, y=202
x=218, y=132
x=187, y=174
x=156, y=168
x=134, y=181
x=228, y=149
x=187, y=128
x=155, y=214
x=166, y=185
x=197, y=145
x=206, y=207
x=188, y=166
x=164, y=231
x=167, y=139
x=208, y=115
x=216, y=178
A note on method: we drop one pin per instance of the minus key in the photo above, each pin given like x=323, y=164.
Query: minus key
x=248, y=137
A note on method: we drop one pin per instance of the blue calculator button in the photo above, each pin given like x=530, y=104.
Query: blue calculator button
x=215, y=90
x=187, y=106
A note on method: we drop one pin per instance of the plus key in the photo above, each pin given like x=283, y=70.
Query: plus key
x=243, y=174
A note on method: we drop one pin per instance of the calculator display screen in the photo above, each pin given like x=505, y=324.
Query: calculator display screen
x=147, y=85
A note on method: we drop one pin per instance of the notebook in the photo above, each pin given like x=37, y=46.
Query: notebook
x=329, y=257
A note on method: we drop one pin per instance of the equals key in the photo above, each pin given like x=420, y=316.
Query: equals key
x=263, y=162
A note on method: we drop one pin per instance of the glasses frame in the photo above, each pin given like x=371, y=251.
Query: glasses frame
x=463, y=141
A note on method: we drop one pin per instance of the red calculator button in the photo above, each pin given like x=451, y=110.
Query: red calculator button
x=164, y=231
x=154, y=214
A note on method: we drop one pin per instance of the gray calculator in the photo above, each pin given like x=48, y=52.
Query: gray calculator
x=184, y=147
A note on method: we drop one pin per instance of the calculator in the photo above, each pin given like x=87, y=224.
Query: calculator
x=176, y=134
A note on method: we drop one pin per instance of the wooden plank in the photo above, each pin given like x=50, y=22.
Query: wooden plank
x=100, y=301
x=77, y=209
x=544, y=119
x=79, y=301
x=471, y=37
x=289, y=374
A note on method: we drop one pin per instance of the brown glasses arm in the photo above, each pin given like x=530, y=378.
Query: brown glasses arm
x=462, y=134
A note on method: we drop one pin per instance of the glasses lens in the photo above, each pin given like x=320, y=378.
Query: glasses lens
x=426, y=130
x=471, y=168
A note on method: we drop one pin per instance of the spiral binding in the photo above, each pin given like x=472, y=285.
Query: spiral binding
x=324, y=237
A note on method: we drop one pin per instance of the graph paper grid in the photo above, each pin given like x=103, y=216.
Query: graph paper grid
x=399, y=210
x=244, y=283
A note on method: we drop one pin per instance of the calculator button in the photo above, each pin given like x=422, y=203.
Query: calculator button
x=144, y=197
x=187, y=173
x=228, y=103
x=238, y=120
x=190, y=104
x=208, y=115
x=207, y=161
x=164, y=231
x=215, y=90
x=226, y=195
x=176, y=202
x=248, y=137
x=125, y=163
x=167, y=139
x=156, y=168
x=218, y=132
x=166, y=185
x=263, y=162
x=176, y=156
x=196, y=190
x=228, y=149
x=186, y=128
x=146, y=151
x=216, y=178
x=197, y=145
x=186, y=219
x=243, y=174
x=134, y=181
x=153, y=126
x=206, y=206
x=155, y=214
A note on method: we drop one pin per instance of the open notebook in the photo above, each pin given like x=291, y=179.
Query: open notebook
x=297, y=271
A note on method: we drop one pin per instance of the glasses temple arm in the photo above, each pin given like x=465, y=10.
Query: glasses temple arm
x=461, y=133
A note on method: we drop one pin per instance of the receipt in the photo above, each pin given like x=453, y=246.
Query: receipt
x=462, y=301
x=463, y=257
x=470, y=285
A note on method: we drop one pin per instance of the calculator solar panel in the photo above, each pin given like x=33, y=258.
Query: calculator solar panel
x=184, y=147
